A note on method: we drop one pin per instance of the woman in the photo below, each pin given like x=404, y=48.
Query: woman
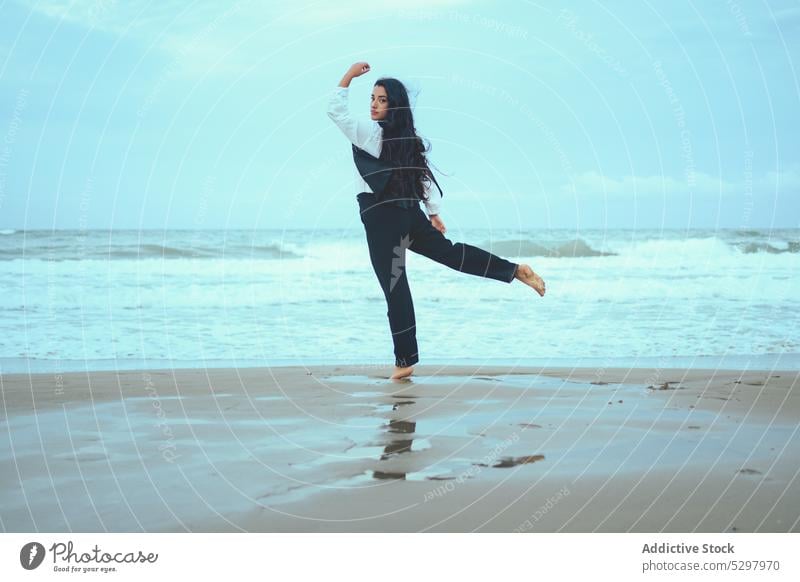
x=393, y=177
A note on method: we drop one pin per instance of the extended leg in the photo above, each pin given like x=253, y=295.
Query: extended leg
x=431, y=243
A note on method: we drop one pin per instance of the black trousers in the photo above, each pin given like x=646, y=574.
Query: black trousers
x=391, y=229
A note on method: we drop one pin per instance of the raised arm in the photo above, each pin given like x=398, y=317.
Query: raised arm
x=365, y=134
x=355, y=70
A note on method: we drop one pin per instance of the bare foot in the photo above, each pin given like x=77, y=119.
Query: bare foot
x=400, y=373
x=530, y=278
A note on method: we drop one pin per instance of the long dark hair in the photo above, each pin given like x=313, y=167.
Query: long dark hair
x=401, y=144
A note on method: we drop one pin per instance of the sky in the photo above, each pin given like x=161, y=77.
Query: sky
x=625, y=114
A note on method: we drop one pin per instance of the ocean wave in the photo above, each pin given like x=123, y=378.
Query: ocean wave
x=148, y=251
x=346, y=250
x=759, y=247
x=527, y=248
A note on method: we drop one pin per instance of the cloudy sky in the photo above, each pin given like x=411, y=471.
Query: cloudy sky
x=587, y=115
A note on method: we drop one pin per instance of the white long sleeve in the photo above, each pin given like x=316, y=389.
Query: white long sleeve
x=435, y=203
x=367, y=135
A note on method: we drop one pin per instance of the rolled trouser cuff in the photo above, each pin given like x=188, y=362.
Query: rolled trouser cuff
x=405, y=362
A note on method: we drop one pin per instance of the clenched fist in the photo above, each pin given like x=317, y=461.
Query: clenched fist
x=358, y=69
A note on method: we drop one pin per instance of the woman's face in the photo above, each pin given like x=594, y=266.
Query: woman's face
x=379, y=105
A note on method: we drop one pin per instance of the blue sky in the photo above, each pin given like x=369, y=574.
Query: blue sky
x=576, y=115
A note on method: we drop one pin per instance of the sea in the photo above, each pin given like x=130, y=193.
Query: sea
x=75, y=300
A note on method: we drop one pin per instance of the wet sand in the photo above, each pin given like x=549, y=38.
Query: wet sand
x=454, y=449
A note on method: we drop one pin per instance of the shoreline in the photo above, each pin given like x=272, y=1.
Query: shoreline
x=456, y=448
x=782, y=361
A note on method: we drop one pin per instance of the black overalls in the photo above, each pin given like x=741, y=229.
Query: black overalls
x=394, y=224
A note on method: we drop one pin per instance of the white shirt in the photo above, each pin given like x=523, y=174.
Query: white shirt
x=368, y=135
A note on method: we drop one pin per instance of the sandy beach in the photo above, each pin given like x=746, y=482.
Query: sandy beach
x=454, y=449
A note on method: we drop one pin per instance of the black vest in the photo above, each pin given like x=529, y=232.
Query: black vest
x=376, y=173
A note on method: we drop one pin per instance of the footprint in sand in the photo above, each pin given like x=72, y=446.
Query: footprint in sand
x=514, y=461
x=665, y=386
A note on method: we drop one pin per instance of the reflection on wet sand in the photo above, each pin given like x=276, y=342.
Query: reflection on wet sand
x=397, y=446
x=401, y=445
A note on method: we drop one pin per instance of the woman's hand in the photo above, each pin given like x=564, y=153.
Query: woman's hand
x=358, y=69
x=355, y=70
x=437, y=223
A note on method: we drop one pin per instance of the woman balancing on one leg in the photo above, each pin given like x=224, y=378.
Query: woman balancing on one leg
x=393, y=177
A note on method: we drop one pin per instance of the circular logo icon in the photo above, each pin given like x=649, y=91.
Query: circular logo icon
x=31, y=555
